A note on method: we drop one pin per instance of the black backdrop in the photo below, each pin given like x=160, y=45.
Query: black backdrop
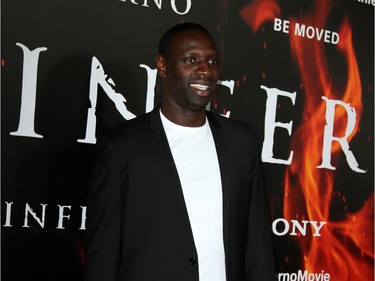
x=50, y=174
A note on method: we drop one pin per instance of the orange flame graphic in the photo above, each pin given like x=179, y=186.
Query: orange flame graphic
x=259, y=11
x=345, y=249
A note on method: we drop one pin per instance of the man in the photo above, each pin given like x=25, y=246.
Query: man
x=177, y=194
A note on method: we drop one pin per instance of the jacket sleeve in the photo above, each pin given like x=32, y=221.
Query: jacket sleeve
x=260, y=262
x=104, y=212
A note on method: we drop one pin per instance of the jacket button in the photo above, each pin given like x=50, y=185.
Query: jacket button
x=192, y=261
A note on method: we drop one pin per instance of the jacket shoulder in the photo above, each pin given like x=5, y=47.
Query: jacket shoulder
x=134, y=129
x=228, y=124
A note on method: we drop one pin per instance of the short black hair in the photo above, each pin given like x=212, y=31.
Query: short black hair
x=166, y=40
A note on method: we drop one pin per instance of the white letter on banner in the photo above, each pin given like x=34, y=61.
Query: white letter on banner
x=302, y=275
x=132, y=1
x=8, y=214
x=28, y=100
x=299, y=30
x=270, y=124
x=316, y=227
x=62, y=216
x=98, y=77
x=229, y=84
x=83, y=218
x=277, y=24
x=335, y=38
x=28, y=211
x=283, y=277
x=274, y=227
x=157, y=2
x=151, y=81
x=329, y=138
x=302, y=229
x=188, y=6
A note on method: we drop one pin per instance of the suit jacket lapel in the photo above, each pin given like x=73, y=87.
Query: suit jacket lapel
x=225, y=179
x=166, y=154
x=160, y=138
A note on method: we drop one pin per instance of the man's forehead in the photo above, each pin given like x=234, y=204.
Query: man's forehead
x=193, y=39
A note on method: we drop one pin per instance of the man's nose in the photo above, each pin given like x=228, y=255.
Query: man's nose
x=204, y=69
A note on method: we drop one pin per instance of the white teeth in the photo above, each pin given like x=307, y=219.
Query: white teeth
x=200, y=86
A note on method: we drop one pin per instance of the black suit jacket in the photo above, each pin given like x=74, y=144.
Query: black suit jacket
x=137, y=224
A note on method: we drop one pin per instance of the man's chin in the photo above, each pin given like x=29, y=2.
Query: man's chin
x=202, y=104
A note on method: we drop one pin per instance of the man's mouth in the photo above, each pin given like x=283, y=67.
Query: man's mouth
x=200, y=87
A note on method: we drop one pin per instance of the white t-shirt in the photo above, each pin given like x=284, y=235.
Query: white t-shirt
x=194, y=154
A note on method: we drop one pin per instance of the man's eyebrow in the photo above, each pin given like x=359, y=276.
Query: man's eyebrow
x=195, y=51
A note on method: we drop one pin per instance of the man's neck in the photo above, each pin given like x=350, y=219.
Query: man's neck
x=185, y=117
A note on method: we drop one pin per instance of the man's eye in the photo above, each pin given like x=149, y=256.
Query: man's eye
x=213, y=61
x=190, y=60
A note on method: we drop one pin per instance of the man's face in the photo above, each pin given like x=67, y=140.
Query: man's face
x=191, y=71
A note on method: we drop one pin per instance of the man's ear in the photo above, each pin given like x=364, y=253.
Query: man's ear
x=161, y=66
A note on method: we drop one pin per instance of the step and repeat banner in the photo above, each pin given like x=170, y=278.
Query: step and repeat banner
x=301, y=72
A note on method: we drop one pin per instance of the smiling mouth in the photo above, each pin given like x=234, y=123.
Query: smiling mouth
x=200, y=87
